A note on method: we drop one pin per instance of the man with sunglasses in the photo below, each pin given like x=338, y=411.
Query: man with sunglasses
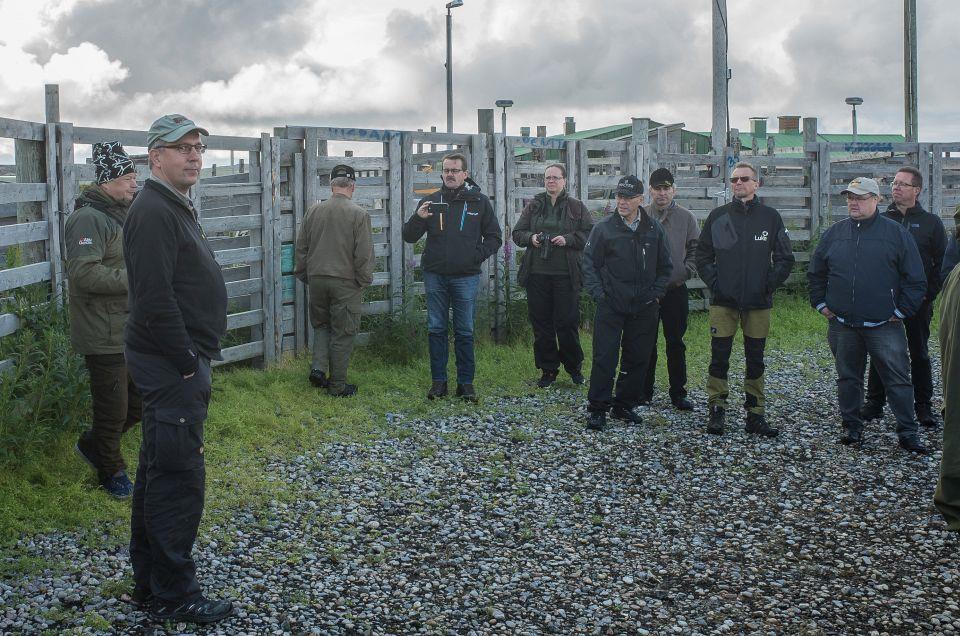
x=178, y=309
x=866, y=277
x=931, y=238
x=743, y=255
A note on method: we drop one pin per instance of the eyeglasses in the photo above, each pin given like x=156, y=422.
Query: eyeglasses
x=740, y=179
x=451, y=170
x=858, y=197
x=184, y=149
x=551, y=178
x=903, y=184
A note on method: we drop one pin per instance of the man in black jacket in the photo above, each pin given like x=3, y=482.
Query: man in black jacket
x=462, y=232
x=743, y=256
x=178, y=309
x=866, y=277
x=626, y=266
x=931, y=238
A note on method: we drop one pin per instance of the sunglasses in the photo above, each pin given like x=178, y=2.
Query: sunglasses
x=740, y=179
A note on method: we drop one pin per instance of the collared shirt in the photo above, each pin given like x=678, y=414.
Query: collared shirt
x=636, y=223
x=185, y=200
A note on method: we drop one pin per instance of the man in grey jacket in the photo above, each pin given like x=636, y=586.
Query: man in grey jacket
x=682, y=233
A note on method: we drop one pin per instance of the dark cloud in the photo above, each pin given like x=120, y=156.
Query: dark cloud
x=176, y=44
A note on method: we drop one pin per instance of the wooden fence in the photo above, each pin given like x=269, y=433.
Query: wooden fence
x=252, y=218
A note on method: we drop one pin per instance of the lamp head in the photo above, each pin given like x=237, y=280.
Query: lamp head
x=453, y=4
x=854, y=101
x=503, y=103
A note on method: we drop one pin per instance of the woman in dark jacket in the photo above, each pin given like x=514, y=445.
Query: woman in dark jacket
x=554, y=228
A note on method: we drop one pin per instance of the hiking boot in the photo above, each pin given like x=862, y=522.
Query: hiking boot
x=871, y=410
x=715, y=423
x=645, y=400
x=757, y=425
x=596, y=420
x=627, y=415
x=346, y=391
x=86, y=453
x=914, y=445
x=576, y=376
x=852, y=436
x=437, y=390
x=319, y=379
x=548, y=378
x=682, y=404
x=119, y=486
x=926, y=417
x=139, y=598
x=466, y=393
x=202, y=611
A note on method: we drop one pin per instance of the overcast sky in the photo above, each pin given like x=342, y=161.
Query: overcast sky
x=245, y=66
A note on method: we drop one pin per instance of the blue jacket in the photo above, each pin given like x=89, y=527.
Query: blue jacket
x=867, y=271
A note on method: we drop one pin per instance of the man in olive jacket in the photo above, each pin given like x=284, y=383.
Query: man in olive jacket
x=334, y=254
x=743, y=255
x=947, y=495
x=97, y=280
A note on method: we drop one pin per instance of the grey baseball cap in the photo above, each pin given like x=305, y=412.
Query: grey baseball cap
x=862, y=185
x=172, y=128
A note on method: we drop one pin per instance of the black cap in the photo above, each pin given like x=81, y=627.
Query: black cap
x=630, y=186
x=661, y=177
x=343, y=171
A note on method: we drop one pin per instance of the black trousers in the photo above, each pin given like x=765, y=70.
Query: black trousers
x=634, y=334
x=921, y=374
x=674, y=310
x=168, y=494
x=554, y=310
x=116, y=409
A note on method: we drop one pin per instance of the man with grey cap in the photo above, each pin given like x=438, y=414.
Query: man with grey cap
x=93, y=235
x=334, y=255
x=865, y=277
x=682, y=233
x=178, y=308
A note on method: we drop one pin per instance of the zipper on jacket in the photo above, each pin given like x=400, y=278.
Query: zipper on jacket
x=856, y=265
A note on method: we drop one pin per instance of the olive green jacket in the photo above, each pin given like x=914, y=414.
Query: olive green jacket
x=947, y=496
x=96, y=274
x=335, y=239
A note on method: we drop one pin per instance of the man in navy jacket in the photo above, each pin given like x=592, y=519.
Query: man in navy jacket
x=866, y=277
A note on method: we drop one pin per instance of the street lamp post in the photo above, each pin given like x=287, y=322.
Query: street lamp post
x=854, y=102
x=504, y=104
x=453, y=4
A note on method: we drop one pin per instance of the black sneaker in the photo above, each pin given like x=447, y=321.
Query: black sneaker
x=437, y=390
x=871, y=410
x=119, y=486
x=467, y=393
x=548, y=378
x=682, y=404
x=319, y=379
x=757, y=425
x=596, y=420
x=914, y=445
x=851, y=437
x=346, y=391
x=576, y=376
x=926, y=417
x=627, y=415
x=715, y=423
x=202, y=611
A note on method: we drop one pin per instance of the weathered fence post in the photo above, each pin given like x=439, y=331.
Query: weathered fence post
x=299, y=289
x=640, y=136
x=395, y=213
x=502, y=203
x=269, y=274
x=936, y=180
x=812, y=175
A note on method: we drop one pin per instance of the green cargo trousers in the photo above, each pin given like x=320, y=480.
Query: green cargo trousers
x=335, y=318
x=947, y=496
x=755, y=324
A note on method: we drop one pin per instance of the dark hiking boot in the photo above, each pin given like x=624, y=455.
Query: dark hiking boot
x=914, y=445
x=757, y=425
x=871, y=410
x=682, y=404
x=466, y=393
x=140, y=598
x=715, y=423
x=626, y=415
x=596, y=420
x=319, y=379
x=202, y=611
x=346, y=391
x=119, y=486
x=437, y=390
x=576, y=376
x=852, y=436
x=926, y=417
x=547, y=379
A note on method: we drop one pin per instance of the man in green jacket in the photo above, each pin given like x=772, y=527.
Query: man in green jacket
x=97, y=280
x=947, y=496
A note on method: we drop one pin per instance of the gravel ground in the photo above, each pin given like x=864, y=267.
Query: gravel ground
x=517, y=521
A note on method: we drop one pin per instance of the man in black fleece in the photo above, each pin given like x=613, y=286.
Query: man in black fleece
x=462, y=232
x=178, y=308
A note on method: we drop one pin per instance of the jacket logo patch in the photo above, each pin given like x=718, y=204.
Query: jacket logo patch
x=85, y=241
x=473, y=214
x=763, y=236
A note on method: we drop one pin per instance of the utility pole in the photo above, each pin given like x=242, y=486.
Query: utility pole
x=721, y=76
x=910, y=123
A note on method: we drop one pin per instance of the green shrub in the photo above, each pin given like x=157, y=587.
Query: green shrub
x=398, y=337
x=47, y=391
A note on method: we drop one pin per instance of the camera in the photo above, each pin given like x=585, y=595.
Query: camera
x=545, y=246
